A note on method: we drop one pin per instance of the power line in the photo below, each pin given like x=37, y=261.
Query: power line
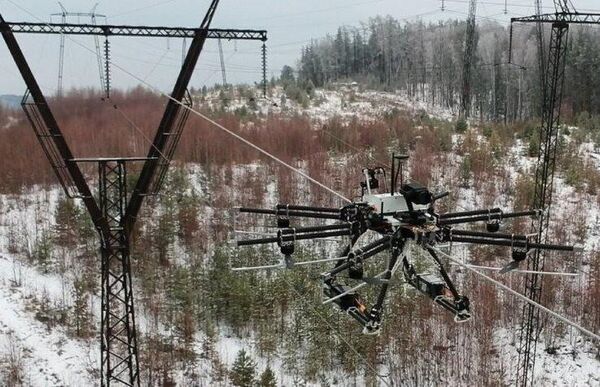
x=330, y=190
x=247, y=142
x=135, y=10
x=522, y=297
x=333, y=330
x=322, y=10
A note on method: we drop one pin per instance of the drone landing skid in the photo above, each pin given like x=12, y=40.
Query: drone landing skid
x=460, y=313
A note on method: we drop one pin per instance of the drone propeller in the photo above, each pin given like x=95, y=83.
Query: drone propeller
x=365, y=281
x=512, y=268
x=271, y=234
x=266, y=267
x=283, y=265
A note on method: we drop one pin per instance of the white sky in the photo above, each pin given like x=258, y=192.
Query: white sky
x=291, y=24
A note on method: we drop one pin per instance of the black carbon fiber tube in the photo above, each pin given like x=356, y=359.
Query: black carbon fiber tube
x=492, y=216
x=343, y=226
x=308, y=208
x=301, y=214
x=516, y=243
x=493, y=235
x=368, y=251
x=469, y=213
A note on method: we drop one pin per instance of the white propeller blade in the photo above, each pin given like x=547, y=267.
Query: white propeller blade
x=267, y=267
x=518, y=270
x=360, y=285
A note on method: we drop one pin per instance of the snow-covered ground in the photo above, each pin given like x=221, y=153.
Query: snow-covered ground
x=346, y=102
x=51, y=356
x=47, y=356
x=573, y=361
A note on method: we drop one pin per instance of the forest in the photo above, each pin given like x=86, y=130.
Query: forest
x=425, y=60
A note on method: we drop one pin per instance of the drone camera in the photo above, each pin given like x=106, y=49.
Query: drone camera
x=417, y=194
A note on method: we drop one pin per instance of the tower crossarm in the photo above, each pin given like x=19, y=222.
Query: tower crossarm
x=568, y=17
x=132, y=31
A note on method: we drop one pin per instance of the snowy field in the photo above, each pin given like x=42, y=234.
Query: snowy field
x=52, y=357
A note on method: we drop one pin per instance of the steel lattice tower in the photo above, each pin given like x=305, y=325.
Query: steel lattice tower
x=113, y=211
x=64, y=14
x=552, y=69
x=470, y=46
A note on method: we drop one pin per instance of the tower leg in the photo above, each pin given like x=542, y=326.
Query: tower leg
x=544, y=178
x=119, y=352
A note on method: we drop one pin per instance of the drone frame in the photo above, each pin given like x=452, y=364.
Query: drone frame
x=415, y=222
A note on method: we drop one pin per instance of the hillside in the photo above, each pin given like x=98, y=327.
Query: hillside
x=195, y=314
x=10, y=101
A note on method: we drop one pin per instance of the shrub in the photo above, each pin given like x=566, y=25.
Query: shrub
x=461, y=125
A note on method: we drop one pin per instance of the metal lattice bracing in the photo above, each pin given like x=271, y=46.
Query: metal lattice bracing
x=97, y=30
x=465, y=102
x=571, y=18
x=112, y=213
x=544, y=178
x=49, y=146
x=119, y=353
x=553, y=74
x=164, y=159
x=64, y=14
x=222, y=60
x=145, y=31
x=539, y=26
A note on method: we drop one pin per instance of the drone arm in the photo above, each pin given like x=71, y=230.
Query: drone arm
x=489, y=216
x=513, y=243
x=308, y=208
x=366, y=252
x=493, y=235
x=378, y=306
x=294, y=213
x=470, y=213
x=363, y=256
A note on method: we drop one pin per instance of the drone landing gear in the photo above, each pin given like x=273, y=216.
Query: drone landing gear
x=350, y=301
x=347, y=298
x=439, y=288
x=459, y=307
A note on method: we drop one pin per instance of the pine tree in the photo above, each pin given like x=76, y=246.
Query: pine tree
x=267, y=378
x=65, y=215
x=243, y=371
x=81, y=315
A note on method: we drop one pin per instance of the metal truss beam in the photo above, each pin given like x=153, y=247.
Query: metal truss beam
x=119, y=350
x=544, y=178
x=50, y=135
x=112, y=215
x=571, y=18
x=553, y=74
x=124, y=30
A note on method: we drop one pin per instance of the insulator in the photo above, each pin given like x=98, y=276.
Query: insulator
x=107, y=66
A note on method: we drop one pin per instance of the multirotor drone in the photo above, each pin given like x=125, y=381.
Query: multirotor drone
x=405, y=221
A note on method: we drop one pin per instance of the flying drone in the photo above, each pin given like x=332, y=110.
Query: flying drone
x=405, y=221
